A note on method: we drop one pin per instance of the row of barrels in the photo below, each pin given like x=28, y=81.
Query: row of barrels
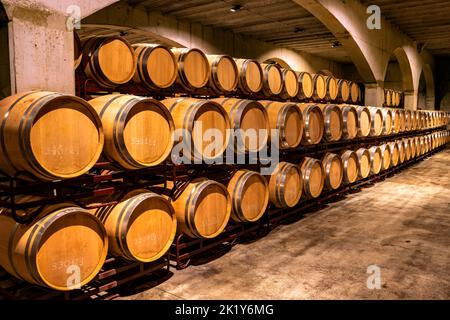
x=392, y=98
x=112, y=61
x=67, y=240
x=56, y=136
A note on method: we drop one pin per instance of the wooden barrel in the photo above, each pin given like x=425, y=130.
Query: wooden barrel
x=198, y=117
x=376, y=159
x=250, y=76
x=288, y=120
x=140, y=227
x=393, y=148
x=110, y=61
x=422, y=120
x=396, y=123
x=313, y=177
x=51, y=135
x=408, y=120
x=401, y=151
x=313, y=123
x=407, y=147
x=285, y=185
x=386, y=151
x=138, y=131
x=203, y=209
x=364, y=121
x=414, y=120
x=412, y=143
x=193, y=68
x=363, y=162
x=332, y=88
x=387, y=121
x=224, y=76
x=250, y=122
x=396, y=98
x=402, y=117
x=290, y=84
x=156, y=66
x=343, y=91
x=333, y=169
x=333, y=122
x=350, y=165
x=320, y=87
x=272, y=80
x=63, y=248
x=77, y=50
x=350, y=122
x=305, y=86
x=249, y=193
x=355, y=95
x=387, y=98
x=376, y=123
x=418, y=146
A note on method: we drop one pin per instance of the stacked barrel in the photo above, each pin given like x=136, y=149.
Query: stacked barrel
x=392, y=98
x=53, y=136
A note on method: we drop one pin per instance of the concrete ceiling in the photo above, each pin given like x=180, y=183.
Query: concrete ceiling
x=424, y=21
x=280, y=22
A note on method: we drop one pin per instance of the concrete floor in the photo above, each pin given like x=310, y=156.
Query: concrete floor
x=401, y=225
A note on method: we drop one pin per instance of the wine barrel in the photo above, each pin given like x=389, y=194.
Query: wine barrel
x=401, y=151
x=355, y=94
x=387, y=121
x=386, y=151
x=320, y=87
x=387, y=98
x=250, y=122
x=313, y=123
x=350, y=121
x=138, y=131
x=63, y=248
x=376, y=123
x=224, y=76
x=288, y=120
x=51, y=135
x=249, y=193
x=285, y=185
x=414, y=119
x=412, y=143
x=196, y=118
x=250, y=76
x=402, y=117
x=313, y=177
x=305, y=86
x=334, y=170
x=110, y=61
x=350, y=165
x=364, y=121
x=193, y=68
x=418, y=144
x=408, y=120
x=290, y=84
x=203, y=209
x=333, y=122
x=77, y=50
x=156, y=67
x=343, y=91
x=376, y=159
x=396, y=98
x=332, y=88
x=407, y=147
x=363, y=162
x=422, y=120
x=396, y=124
x=272, y=80
x=393, y=148
x=140, y=227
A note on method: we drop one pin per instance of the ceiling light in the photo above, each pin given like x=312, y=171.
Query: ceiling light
x=336, y=44
x=299, y=29
x=236, y=7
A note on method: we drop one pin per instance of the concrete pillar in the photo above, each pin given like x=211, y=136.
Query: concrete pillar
x=374, y=94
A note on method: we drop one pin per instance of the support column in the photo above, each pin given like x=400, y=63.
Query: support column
x=410, y=100
x=374, y=94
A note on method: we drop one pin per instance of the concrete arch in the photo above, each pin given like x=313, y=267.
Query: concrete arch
x=278, y=61
x=405, y=68
x=5, y=76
